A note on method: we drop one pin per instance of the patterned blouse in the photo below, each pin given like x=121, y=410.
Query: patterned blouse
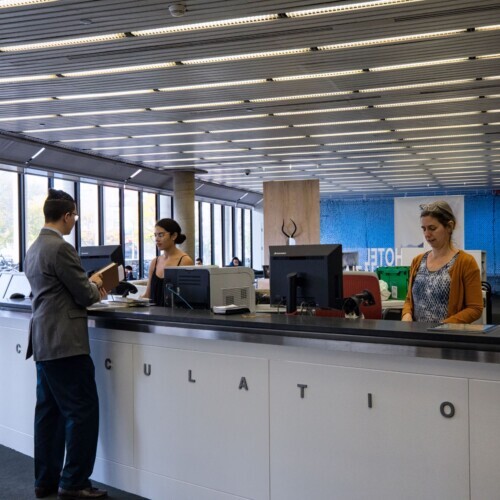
x=431, y=292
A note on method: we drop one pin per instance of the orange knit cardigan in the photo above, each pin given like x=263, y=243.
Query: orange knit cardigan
x=465, y=304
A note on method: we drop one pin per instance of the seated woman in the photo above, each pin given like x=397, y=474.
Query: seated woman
x=168, y=235
x=235, y=262
x=445, y=283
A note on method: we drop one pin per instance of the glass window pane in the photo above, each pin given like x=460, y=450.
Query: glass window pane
x=238, y=234
x=206, y=253
x=9, y=224
x=89, y=215
x=228, y=234
x=36, y=193
x=218, y=260
x=165, y=207
x=67, y=187
x=148, y=224
x=196, y=230
x=111, y=209
x=248, y=238
x=131, y=226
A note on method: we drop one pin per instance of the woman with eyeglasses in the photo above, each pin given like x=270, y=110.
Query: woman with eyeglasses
x=167, y=235
x=445, y=283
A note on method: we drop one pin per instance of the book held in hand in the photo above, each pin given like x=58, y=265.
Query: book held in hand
x=112, y=274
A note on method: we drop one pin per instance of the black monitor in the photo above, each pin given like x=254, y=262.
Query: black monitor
x=306, y=274
x=96, y=257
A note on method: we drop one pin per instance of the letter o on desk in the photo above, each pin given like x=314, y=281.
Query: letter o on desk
x=447, y=409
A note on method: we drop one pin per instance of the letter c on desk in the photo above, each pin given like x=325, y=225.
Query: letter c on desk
x=18, y=348
x=108, y=364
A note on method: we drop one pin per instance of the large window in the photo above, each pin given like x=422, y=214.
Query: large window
x=238, y=233
x=165, y=207
x=36, y=193
x=148, y=225
x=228, y=235
x=247, y=235
x=218, y=260
x=9, y=223
x=67, y=187
x=131, y=227
x=111, y=215
x=89, y=215
x=206, y=225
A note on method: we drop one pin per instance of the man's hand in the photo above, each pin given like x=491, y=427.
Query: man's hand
x=97, y=280
x=407, y=317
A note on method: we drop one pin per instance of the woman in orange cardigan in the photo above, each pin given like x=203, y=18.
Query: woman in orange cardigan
x=445, y=283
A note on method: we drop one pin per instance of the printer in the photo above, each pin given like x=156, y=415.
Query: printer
x=203, y=287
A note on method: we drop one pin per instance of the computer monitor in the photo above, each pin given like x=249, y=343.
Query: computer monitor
x=94, y=258
x=306, y=274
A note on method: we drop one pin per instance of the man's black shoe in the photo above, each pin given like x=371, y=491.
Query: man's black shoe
x=45, y=491
x=85, y=493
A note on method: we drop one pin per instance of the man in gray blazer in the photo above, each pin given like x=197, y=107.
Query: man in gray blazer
x=67, y=407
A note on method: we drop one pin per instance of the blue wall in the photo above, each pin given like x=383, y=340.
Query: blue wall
x=369, y=224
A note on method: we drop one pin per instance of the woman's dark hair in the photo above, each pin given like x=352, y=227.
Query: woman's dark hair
x=57, y=204
x=171, y=226
x=441, y=211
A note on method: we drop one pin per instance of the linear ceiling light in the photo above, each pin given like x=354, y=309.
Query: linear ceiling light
x=214, y=85
x=418, y=85
x=182, y=28
x=58, y=129
x=364, y=132
x=33, y=117
x=119, y=69
x=428, y=101
x=440, y=127
x=420, y=64
x=250, y=129
x=327, y=110
x=201, y=143
x=105, y=112
x=63, y=42
x=200, y=105
x=7, y=4
x=142, y=124
x=284, y=138
x=144, y=136
x=335, y=9
x=28, y=78
x=104, y=94
x=26, y=101
x=392, y=39
x=328, y=74
x=92, y=139
x=489, y=56
x=438, y=115
x=242, y=57
x=301, y=96
x=223, y=118
x=164, y=153
x=107, y=148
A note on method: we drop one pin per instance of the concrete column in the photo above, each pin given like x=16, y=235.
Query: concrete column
x=184, y=208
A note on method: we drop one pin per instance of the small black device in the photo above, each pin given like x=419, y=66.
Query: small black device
x=94, y=258
x=17, y=296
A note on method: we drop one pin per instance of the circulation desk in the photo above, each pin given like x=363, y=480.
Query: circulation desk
x=271, y=407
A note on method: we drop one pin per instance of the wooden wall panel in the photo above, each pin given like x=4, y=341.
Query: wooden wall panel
x=296, y=200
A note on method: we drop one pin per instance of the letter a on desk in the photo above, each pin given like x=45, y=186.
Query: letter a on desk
x=243, y=384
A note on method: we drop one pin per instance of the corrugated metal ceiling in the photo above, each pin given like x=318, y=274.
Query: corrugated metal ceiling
x=358, y=133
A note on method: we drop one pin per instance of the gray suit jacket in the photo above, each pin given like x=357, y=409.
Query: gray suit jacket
x=61, y=292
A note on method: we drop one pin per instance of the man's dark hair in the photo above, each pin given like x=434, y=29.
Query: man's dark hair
x=57, y=204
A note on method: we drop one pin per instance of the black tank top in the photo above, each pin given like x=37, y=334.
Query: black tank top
x=157, y=286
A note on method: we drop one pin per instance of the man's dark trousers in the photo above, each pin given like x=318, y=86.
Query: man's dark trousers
x=66, y=417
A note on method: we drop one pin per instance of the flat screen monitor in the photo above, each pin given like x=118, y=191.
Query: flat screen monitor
x=306, y=274
x=4, y=283
x=94, y=258
x=18, y=284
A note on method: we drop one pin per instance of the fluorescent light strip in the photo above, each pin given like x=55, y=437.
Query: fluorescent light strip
x=243, y=57
x=58, y=129
x=25, y=101
x=489, y=56
x=261, y=139
x=32, y=78
x=163, y=153
x=383, y=155
x=119, y=69
x=107, y=148
x=365, y=132
x=225, y=118
x=440, y=127
x=92, y=139
x=63, y=42
x=7, y=4
x=214, y=85
x=290, y=146
x=363, y=150
x=105, y=112
x=104, y=94
x=436, y=137
x=428, y=101
x=143, y=124
x=144, y=136
x=346, y=122
x=201, y=143
x=438, y=115
x=335, y=9
x=446, y=145
x=327, y=110
x=32, y=117
x=200, y=105
x=449, y=151
x=252, y=129
x=328, y=74
x=229, y=157
x=197, y=151
x=417, y=85
x=420, y=64
x=300, y=96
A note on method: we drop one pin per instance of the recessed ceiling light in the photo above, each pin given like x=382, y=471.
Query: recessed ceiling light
x=7, y=4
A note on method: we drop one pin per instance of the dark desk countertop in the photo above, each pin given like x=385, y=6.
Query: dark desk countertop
x=256, y=326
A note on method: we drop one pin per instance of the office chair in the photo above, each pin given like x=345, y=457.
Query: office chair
x=355, y=282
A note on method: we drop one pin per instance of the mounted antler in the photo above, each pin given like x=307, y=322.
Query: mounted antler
x=291, y=240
